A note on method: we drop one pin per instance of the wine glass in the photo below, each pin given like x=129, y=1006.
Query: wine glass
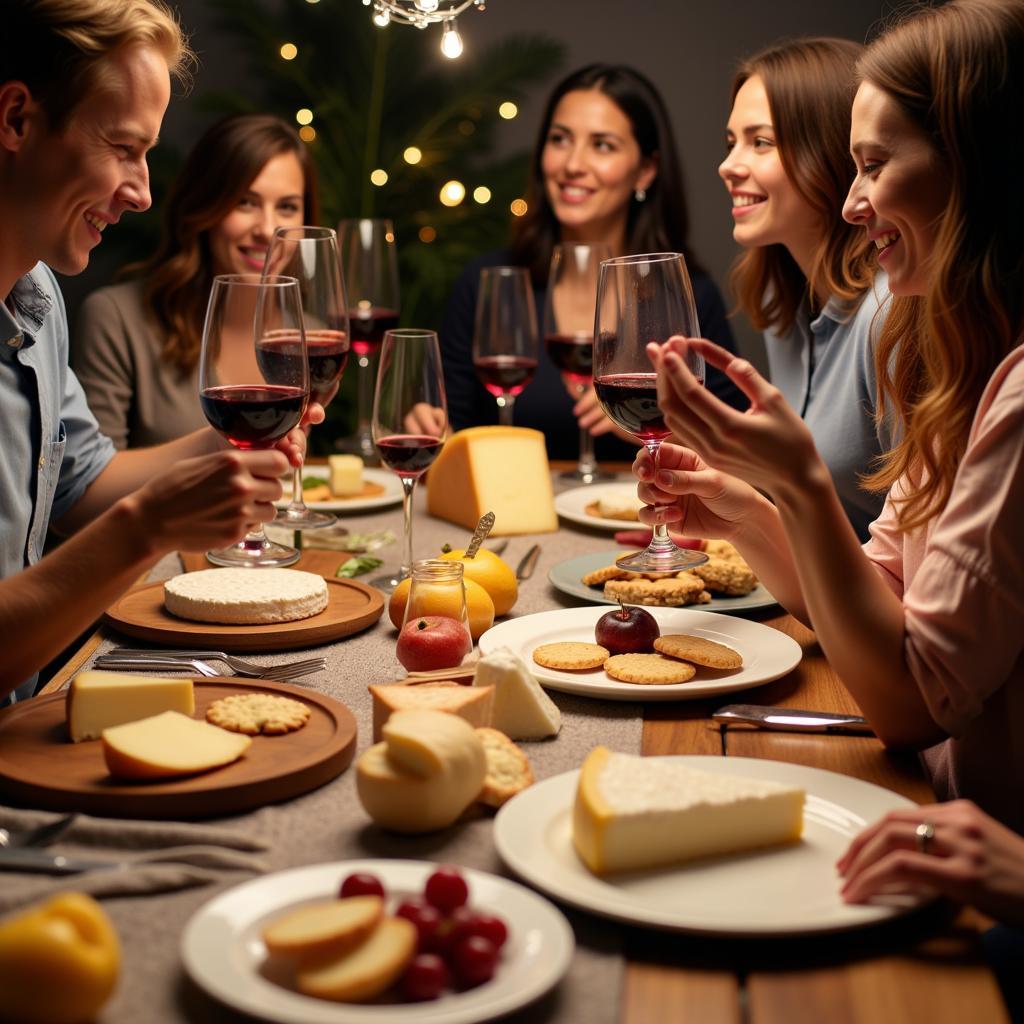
x=641, y=299
x=505, y=335
x=569, y=333
x=370, y=259
x=254, y=381
x=410, y=417
x=310, y=255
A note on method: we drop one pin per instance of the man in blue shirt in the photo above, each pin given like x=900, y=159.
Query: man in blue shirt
x=83, y=90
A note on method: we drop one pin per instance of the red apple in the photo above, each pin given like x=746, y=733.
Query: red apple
x=433, y=641
x=627, y=630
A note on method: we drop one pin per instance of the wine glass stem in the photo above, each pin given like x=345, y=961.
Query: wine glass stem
x=408, y=484
x=505, y=410
x=364, y=398
x=660, y=539
x=255, y=540
x=297, y=504
x=587, y=461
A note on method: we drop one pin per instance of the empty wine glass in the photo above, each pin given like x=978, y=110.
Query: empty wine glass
x=505, y=335
x=641, y=299
x=254, y=380
x=310, y=255
x=410, y=417
x=569, y=333
x=370, y=258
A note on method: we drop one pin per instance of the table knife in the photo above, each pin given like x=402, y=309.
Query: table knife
x=793, y=719
x=28, y=858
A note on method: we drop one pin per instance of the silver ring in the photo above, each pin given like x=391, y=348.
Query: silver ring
x=924, y=834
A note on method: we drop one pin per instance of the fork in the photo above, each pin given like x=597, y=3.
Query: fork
x=273, y=673
x=39, y=836
x=238, y=665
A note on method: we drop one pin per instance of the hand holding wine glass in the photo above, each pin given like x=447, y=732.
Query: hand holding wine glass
x=643, y=299
x=410, y=417
x=505, y=335
x=310, y=255
x=258, y=393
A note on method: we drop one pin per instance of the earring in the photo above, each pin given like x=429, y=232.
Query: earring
x=640, y=195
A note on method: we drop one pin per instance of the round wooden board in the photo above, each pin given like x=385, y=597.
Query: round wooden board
x=40, y=767
x=351, y=607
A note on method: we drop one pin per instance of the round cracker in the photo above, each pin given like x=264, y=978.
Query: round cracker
x=256, y=713
x=650, y=669
x=699, y=650
x=571, y=656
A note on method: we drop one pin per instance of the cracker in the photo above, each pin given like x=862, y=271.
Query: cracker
x=699, y=651
x=722, y=549
x=731, y=577
x=571, y=656
x=608, y=572
x=651, y=669
x=673, y=592
x=254, y=713
x=508, y=769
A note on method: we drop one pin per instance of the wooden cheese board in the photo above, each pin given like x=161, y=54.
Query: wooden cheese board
x=41, y=767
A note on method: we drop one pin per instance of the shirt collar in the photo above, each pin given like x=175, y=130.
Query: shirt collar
x=32, y=305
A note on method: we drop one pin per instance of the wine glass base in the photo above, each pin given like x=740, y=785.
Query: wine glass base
x=302, y=519
x=256, y=556
x=675, y=559
x=592, y=476
x=388, y=582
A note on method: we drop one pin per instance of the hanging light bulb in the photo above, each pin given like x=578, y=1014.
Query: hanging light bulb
x=451, y=41
x=427, y=6
x=381, y=18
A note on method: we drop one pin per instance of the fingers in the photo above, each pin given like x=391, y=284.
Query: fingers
x=906, y=870
x=742, y=372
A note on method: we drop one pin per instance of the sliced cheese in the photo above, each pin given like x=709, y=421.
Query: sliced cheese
x=473, y=704
x=167, y=745
x=503, y=470
x=346, y=475
x=99, y=700
x=426, y=743
x=522, y=710
x=245, y=596
x=640, y=812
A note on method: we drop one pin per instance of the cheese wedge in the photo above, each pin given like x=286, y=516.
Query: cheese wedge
x=168, y=745
x=473, y=704
x=644, y=812
x=522, y=710
x=426, y=743
x=99, y=700
x=346, y=475
x=503, y=470
x=329, y=928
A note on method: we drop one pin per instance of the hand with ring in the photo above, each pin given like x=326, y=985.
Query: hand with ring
x=953, y=849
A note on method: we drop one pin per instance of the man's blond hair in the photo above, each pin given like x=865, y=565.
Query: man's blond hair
x=59, y=48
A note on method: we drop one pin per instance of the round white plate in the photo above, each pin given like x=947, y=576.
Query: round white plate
x=572, y=505
x=787, y=890
x=222, y=950
x=386, y=479
x=568, y=576
x=767, y=653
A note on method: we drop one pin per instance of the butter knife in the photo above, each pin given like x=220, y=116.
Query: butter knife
x=43, y=861
x=793, y=719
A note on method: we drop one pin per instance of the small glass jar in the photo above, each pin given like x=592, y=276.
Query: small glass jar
x=437, y=588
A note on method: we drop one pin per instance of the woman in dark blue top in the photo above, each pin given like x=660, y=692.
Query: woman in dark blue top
x=605, y=169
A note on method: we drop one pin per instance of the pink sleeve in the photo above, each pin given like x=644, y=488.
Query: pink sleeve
x=885, y=547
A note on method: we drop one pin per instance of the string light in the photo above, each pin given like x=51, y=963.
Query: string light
x=518, y=207
x=482, y=194
x=304, y=116
x=427, y=235
x=451, y=41
x=289, y=51
x=379, y=177
x=508, y=110
x=421, y=14
x=412, y=155
x=452, y=193
x=307, y=133
x=382, y=18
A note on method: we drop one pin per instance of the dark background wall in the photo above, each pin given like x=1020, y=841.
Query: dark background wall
x=687, y=47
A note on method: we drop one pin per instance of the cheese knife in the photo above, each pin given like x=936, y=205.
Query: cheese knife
x=792, y=719
x=26, y=858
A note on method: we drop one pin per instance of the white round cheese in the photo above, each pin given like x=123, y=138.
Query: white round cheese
x=245, y=596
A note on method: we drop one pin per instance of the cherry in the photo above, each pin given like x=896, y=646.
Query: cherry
x=426, y=977
x=490, y=927
x=446, y=889
x=361, y=883
x=474, y=960
x=426, y=918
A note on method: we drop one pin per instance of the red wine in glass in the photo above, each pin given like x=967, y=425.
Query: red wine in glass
x=368, y=328
x=631, y=400
x=505, y=375
x=408, y=455
x=253, y=416
x=573, y=354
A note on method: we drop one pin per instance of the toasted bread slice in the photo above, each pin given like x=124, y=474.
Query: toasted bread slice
x=330, y=928
x=508, y=769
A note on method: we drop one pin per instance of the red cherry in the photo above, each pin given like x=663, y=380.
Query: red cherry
x=490, y=927
x=474, y=961
x=361, y=883
x=426, y=977
x=426, y=918
x=446, y=889
x=454, y=928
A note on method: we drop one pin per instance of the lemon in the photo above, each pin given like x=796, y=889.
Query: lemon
x=494, y=575
x=439, y=601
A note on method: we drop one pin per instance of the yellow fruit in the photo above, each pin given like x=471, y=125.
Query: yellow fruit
x=494, y=575
x=479, y=605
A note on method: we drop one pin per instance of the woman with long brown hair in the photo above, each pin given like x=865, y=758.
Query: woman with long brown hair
x=136, y=346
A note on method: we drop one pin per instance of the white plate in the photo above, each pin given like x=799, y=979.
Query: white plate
x=572, y=505
x=222, y=949
x=783, y=891
x=767, y=653
x=389, y=481
x=568, y=576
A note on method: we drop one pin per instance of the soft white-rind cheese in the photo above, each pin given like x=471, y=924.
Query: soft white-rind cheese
x=639, y=812
x=522, y=710
x=245, y=596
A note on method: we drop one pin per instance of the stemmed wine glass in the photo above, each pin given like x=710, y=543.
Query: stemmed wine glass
x=259, y=393
x=569, y=333
x=310, y=255
x=641, y=299
x=410, y=417
x=505, y=335
x=370, y=259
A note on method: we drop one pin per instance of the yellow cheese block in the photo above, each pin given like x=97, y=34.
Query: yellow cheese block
x=503, y=470
x=472, y=703
x=642, y=812
x=427, y=742
x=346, y=475
x=99, y=700
x=168, y=745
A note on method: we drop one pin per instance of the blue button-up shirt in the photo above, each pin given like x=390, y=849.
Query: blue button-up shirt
x=52, y=445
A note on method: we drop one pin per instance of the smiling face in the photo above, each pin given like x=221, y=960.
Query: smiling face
x=901, y=189
x=238, y=244
x=767, y=208
x=591, y=165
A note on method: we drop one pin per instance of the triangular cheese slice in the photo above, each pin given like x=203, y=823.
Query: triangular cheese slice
x=522, y=710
